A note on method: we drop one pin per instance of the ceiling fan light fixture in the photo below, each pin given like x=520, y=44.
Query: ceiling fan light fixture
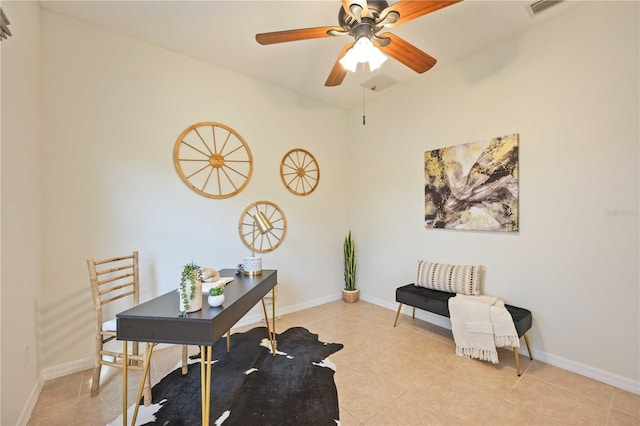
x=349, y=60
x=363, y=51
x=376, y=59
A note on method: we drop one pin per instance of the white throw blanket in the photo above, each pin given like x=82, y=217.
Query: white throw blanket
x=479, y=325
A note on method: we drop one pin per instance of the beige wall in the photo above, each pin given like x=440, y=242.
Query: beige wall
x=570, y=89
x=114, y=109
x=21, y=194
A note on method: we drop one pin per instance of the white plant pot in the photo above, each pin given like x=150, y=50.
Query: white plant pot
x=195, y=300
x=215, y=301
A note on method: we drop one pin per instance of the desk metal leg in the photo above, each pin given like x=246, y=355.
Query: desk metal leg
x=145, y=372
x=273, y=312
x=205, y=382
x=208, y=395
x=124, y=382
x=271, y=332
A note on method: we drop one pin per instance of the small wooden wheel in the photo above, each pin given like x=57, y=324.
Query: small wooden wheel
x=299, y=172
x=213, y=160
x=250, y=234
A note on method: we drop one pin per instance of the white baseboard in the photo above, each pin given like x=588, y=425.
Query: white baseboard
x=31, y=402
x=594, y=373
x=48, y=374
x=66, y=368
x=251, y=319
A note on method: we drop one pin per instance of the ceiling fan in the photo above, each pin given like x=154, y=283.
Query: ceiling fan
x=363, y=20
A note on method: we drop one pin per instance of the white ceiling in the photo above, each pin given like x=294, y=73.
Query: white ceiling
x=223, y=33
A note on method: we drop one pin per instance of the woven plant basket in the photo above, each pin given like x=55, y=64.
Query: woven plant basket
x=350, y=296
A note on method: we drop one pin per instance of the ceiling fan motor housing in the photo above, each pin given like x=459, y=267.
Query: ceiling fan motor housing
x=366, y=28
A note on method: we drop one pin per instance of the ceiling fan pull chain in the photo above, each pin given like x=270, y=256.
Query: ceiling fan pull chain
x=364, y=120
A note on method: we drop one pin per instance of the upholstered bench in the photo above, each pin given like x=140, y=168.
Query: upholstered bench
x=437, y=301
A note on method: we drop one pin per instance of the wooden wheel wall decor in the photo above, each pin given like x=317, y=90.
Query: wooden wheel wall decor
x=300, y=172
x=263, y=243
x=213, y=160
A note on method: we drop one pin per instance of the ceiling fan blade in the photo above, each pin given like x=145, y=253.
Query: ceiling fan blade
x=295, y=35
x=406, y=53
x=346, y=5
x=338, y=72
x=412, y=9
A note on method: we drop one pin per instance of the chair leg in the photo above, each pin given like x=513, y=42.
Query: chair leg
x=95, y=381
x=97, y=366
x=185, y=366
x=526, y=340
x=135, y=350
x=228, y=341
x=397, y=314
x=414, y=313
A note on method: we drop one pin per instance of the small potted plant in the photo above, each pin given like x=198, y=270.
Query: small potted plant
x=216, y=296
x=350, y=293
x=190, y=289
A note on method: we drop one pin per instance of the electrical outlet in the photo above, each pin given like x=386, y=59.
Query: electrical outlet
x=26, y=354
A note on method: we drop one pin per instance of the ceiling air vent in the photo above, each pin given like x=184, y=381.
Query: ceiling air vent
x=542, y=5
x=379, y=83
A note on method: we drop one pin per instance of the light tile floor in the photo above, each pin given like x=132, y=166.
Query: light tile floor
x=407, y=375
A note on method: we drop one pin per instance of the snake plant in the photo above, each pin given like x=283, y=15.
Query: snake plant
x=349, y=263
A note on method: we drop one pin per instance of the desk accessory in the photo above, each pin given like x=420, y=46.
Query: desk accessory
x=190, y=286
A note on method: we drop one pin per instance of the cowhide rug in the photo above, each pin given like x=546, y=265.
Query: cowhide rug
x=250, y=386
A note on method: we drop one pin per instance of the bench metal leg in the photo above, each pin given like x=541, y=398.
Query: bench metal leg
x=517, y=358
x=413, y=315
x=397, y=314
x=526, y=340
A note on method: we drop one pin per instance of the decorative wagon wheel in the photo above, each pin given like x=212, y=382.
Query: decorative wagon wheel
x=252, y=238
x=213, y=160
x=299, y=172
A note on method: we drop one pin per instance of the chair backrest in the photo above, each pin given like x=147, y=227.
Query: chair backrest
x=112, y=280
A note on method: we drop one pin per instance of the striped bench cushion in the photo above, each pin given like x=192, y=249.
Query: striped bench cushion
x=463, y=279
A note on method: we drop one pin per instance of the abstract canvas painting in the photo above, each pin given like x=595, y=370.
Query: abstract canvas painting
x=473, y=186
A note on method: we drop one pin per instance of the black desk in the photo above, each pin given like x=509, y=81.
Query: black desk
x=157, y=321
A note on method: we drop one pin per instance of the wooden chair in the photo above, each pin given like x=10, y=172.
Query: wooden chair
x=116, y=281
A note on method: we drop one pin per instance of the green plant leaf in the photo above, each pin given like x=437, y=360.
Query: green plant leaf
x=216, y=291
x=191, y=273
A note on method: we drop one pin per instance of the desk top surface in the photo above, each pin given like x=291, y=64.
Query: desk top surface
x=158, y=320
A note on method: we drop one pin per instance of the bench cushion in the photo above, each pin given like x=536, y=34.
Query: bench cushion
x=437, y=302
x=463, y=279
x=424, y=298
